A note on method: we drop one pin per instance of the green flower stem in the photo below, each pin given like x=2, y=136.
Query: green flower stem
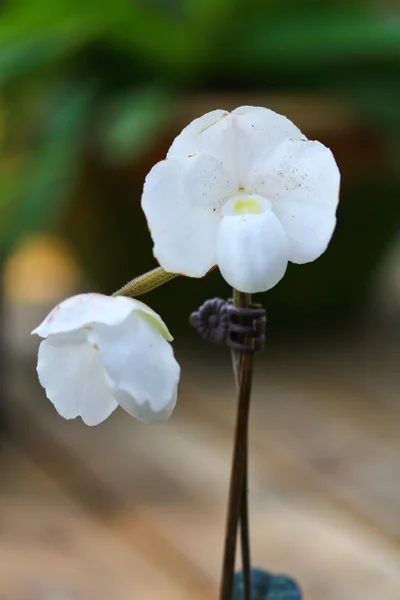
x=237, y=503
x=145, y=283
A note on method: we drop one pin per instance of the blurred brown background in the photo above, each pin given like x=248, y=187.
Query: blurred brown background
x=91, y=96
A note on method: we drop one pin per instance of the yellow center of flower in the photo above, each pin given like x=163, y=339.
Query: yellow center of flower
x=251, y=206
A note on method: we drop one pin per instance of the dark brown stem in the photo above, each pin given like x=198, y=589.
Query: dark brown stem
x=245, y=300
x=237, y=503
x=245, y=531
x=244, y=512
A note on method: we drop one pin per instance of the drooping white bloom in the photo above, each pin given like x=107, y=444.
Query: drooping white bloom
x=99, y=352
x=245, y=191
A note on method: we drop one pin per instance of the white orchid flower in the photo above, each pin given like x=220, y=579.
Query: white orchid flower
x=100, y=352
x=245, y=191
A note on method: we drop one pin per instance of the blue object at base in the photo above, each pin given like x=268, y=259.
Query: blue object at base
x=267, y=587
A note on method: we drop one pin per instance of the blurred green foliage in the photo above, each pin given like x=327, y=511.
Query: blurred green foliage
x=103, y=77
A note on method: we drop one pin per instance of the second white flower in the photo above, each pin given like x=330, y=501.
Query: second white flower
x=100, y=352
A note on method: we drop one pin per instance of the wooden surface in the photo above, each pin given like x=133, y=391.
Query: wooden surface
x=131, y=511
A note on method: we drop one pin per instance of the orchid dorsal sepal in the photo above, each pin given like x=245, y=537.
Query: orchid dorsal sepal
x=145, y=283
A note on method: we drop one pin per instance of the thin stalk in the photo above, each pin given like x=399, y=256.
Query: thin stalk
x=145, y=283
x=237, y=502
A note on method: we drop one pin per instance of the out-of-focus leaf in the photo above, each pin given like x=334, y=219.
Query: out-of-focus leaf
x=30, y=17
x=33, y=36
x=209, y=21
x=168, y=7
x=131, y=122
x=323, y=38
x=22, y=56
x=128, y=25
x=209, y=11
x=43, y=183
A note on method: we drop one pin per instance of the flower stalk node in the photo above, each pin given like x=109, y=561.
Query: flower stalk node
x=220, y=321
x=211, y=320
x=246, y=327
